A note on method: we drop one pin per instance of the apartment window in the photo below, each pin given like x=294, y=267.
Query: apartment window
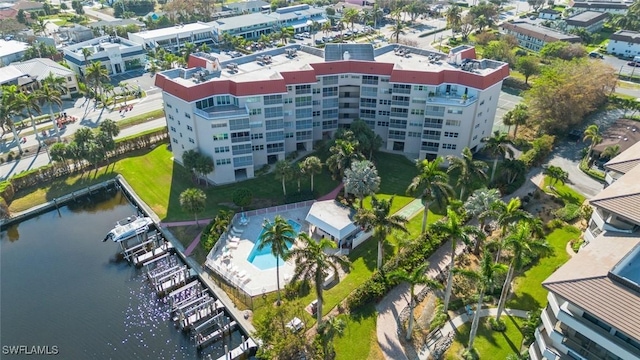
x=178, y=122
x=432, y=123
x=257, y=136
x=398, y=124
x=273, y=112
x=257, y=147
x=431, y=134
x=417, y=111
x=316, y=113
x=191, y=141
x=481, y=102
x=303, y=113
x=272, y=99
x=435, y=110
x=400, y=100
x=173, y=129
x=454, y=110
x=303, y=89
x=174, y=140
x=241, y=149
x=274, y=148
x=316, y=102
x=385, y=90
x=288, y=135
x=288, y=100
x=367, y=102
x=304, y=135
x=418, y=101
x=330, y=124
x=220, y=162
x=420, y=88
x=369, y=80
x=304, y=124
x=384, y=79
x=384, y=112
x=221, y=149
x=239, y=136
x=189, y=128
x=73, y=89
x=450, y=134
x=252, y=99
x=399, y=112
x=257, y=111
x=330, y=91
x=413, y=134
x=383, y=123
x=429, y=146
x=223, y=100
x=330, y=103
x=331, y=113
x=369, y=91
x=397, y=135
x=275, y=136
x=355, y=76
x=384, y=102
x=596, y=321
x=330, y=80
x=274, y=124
x=449, y=146
x=169, y=106
x=237, y=124
x=401, y=89
x=218, y=137
x=187, y=115
x=367, y=114
x=453, y=122
x=316, y=91
x=303, y=101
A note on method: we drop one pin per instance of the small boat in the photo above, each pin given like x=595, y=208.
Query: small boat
x=128, y=228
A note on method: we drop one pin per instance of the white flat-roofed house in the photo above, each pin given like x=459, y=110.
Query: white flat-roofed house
x=173, y=38
x=331, y=219
x=535, y=37
x=591, y=21
x=624, y=43
x=614, y=7
x=11, y=51
x=115, y=53
x=549, y=14
x=247, y=7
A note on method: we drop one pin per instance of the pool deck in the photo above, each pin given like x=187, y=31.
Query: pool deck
x=229, y=260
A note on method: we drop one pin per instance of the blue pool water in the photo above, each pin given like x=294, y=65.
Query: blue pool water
x=263, y=259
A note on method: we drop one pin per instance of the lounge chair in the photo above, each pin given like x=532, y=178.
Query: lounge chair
x=232, y=245
x=242, y=274
x=234, y=239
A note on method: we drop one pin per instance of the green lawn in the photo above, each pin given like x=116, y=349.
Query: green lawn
x=567, y=194
x=489, y=344
x=528, y=291
x=396, y=172
x=359, y=340
x=158, y=180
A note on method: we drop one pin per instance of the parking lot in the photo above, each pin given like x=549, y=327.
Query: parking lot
x=135, y=78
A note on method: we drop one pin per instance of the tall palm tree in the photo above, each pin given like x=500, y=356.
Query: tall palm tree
x=205, y=48
x=467, y=170
x=51, y=96
x=350, y=16
x=343, y=153
x=95, y=76
x=480, y=205
x=452, y=227
x=498, y=146
x=454, y=17
x=58, y=85
x=555, y=173
x=189, y=48
x=507, y=214
x=193, y=201
x=397, y=30
x=10, y=107
x=485, y=277
x=312, y=165
x=381, y=221
x=414, y=277
x=314, y=264
x=593, y=135
x=283, y=172
x=86, y=53
x=516, y=116
x=326, y=27
x=277, y=235
x=30, y=102
x=378, y=14
x=522, y=243
x=610, y=152
x=435, y=186
x=286, y=33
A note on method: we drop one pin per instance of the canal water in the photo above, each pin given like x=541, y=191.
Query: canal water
x=62, y=287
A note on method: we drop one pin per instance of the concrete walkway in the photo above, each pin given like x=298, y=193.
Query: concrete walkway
x=456, y=322
x=332, y=195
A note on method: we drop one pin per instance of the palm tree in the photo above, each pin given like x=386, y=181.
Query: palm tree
x=610, y=152
x=414, y=277
x=326, y=27
x=10, y=107
x=507, y=214
x=454, y=17
x=378, y=14
x=485, y=278
x=283, y=172
x=350, y=16
x=205, y=48
x=30, y=102
x=452, y=227
x=286, y=33
x=277, y=235
x=498, y=146
x=314, y=264
x=479, y=205
x=51, y=96
x=85, y=54
x=312, y=165
x=58, y=153
x=334, y=325
x=189, y=48
x=592, y=134
x=555, y=173
x=522, y=244
x=57, y=86
x=467, y=170
x=361, y=179
x=435, y=186
x=193, y=201
x=397, y=30
x=516, y=116
x=95, y=75
x=343, y=153
x=381, y=221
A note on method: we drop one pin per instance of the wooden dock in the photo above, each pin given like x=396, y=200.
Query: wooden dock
x=204, y=340
x=148, y=256
x=190, y=317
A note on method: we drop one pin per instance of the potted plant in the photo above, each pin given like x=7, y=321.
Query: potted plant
x=463, y=98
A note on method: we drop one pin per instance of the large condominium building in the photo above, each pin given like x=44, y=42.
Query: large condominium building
x=594, y=298
x=116, y=54
x=256, y=109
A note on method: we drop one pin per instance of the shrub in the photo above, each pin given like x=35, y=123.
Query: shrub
x=6, y=191
x=242, y=197
x=530, y=325
x=554, y=224
x=499, y=325
x=576, y=244
x=439, y=316
x=568, y=213
x=470, y=355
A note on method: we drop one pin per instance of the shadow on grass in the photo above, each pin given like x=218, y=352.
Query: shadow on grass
x=510, y=343
x=524, y=301
x=368, y=251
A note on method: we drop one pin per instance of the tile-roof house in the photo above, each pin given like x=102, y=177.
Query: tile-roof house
x=535, y=37
x=27, y=5
x=623, y=163
x=40, y=68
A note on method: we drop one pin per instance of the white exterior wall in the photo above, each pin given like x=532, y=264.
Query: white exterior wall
x=623, y=48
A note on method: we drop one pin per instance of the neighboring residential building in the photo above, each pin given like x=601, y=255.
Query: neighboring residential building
x=591, y=21
x=174, y=37
x=115, y=53
x=11, y=51
x=535, y=37
x=618, y=7
x=247, y=7
x=623, y=133
x=549, y=14
x=624, y=43
x=252, y=26
x=76, y=33
x=622, y=164
x=27, y=6
x=254, y=110
x=593, y=300
x=116, y=23
x=40, y=68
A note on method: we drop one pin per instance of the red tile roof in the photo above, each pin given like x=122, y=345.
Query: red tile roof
x=299, y=77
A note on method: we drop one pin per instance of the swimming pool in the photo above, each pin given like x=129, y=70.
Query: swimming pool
x=263, y=259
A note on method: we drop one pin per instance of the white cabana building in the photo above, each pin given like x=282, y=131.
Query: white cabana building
x=329, y=218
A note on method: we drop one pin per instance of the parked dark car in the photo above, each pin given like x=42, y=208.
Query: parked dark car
x=633, y=64
x=596, y=55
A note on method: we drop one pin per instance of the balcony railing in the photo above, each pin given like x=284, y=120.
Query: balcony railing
x=452, y=100
x=221, y=112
